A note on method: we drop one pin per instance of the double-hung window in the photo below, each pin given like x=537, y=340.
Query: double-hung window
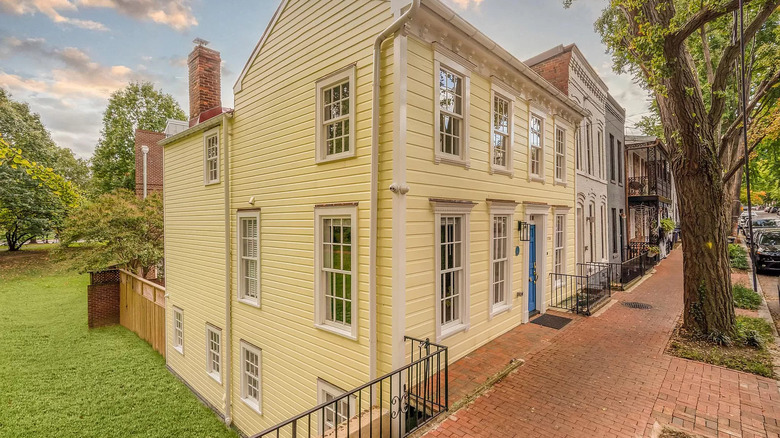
x=589, y=148
x=600, y=145
x=536, y=143
x=500, y=256
x=578, y=147
x=451, y=88
x=620, y=162
x=211, y=157
x=251, y=358
x=337, y=411
x=178, y=329
x=501, y=135
x=213, y=352
x=336, y=116
x=560, y=154
x=612, y=157
x=249, y=257
x=336, y=265
x=452, y=266
x=560, y=244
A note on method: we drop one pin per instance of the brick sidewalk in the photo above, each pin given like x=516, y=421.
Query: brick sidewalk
x=608, y=376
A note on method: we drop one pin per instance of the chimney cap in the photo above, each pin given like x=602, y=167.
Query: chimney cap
x=200, y=42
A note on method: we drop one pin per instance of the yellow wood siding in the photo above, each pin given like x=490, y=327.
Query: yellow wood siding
x=273, y=159
x=429, y=180
x=195, y=261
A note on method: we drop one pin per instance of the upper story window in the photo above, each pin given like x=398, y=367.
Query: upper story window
x=589, y=148
x=178, y=329
x=536, y=144
x=249, y=257
x=211, y=158
x=251, y=358
x=213, y=352
x=336, y=116
x=560, y=154
x=619, y=162
x=600, y=143
x=501, y=136
x=451, y=111
x=612, y=157
x=578, y=147
x=336, y=262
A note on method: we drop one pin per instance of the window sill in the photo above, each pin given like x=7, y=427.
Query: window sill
x=336, y=157
x=536, y=178
x=251, y=303
x=502, y=171
x=211, y=183
x=252, y=404
x=216, y=376
x=450, y=331
x=180, y=349
x=497, y=310
x=561, y=183
x=338, y=331
x=451, y=159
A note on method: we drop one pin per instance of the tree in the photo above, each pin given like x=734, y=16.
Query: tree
x=137, y=106
x=33, y=196
x=651, y=39
x=116, y=229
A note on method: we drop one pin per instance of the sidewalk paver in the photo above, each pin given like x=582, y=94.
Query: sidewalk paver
x=608, y=376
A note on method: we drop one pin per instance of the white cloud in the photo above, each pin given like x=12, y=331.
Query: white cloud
x=51, y=9
x=466, y=4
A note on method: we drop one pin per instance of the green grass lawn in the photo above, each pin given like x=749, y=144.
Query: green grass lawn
x=58, y=378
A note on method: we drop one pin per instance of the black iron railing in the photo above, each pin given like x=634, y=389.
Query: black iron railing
x=581, y=293
x=634, y=249
x=394, y=405
x=644, y=186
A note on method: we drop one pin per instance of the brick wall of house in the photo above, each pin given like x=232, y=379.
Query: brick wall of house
x=103, y=299
x=556, y=71
x=205, y=84
x=154, y=165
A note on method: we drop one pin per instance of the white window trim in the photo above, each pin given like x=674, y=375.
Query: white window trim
x=452, y=208
x=256, y=405
x=240, y=271
x=346, y=73
x=440, y=60
x=565, y=214
x=501, y=209
x=502, y=93
x=538, y=113
x=216, y=375
x=206, y=135
x=323, y=387
x=561, y=181
x=321, y=212
x=180, y=347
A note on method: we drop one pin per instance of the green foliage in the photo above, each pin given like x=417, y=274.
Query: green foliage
x=62, y=379
x=738, y=256
x=755, y=326
x=745, y=298
x=668, y=225
x=137, y=106
x=116, y=229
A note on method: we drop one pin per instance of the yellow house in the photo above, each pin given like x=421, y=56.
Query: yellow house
x=331, y=214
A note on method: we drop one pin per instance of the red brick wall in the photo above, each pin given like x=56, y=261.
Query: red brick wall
x=205, y=88
x=154, y=163
x=102, y=304
x=556, y=71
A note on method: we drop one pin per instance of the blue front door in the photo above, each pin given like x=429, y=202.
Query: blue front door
x=532, y=268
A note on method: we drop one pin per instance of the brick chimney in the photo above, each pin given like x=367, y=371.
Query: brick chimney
x=205, y=92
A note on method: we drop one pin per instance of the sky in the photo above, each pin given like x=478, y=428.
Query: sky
x=65, y=57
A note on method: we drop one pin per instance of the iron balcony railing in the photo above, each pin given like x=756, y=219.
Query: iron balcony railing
x=391, y=406
x=583, y=292
x=644, y=186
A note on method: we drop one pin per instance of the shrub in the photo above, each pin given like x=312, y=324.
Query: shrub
x=745, y=298
x=738, y=256
x=753, y=332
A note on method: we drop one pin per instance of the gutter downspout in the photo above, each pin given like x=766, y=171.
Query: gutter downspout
x=376, y=89
x=145, y=150
x=228, y=295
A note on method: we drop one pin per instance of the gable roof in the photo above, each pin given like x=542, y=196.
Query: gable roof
x=559, y=50
x=239, y=82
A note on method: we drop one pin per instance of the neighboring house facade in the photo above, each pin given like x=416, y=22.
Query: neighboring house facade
x=148, y=162
x=651, y=192
x=616, y=188
x=567, y=68
x=304, y=239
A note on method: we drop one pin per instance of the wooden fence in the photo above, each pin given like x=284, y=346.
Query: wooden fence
x=142, y=308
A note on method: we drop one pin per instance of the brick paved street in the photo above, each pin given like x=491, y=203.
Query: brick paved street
x=607, y=376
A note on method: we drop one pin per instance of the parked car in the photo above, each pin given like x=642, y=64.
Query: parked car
x=767, y=247
x=761, y=224
x=774, y=209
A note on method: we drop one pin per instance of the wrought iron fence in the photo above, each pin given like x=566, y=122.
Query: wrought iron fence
x=634, y=249
x=644, y=186
x=581, y=293
x=394, y=405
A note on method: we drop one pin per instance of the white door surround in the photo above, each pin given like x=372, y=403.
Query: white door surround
x=537, y=214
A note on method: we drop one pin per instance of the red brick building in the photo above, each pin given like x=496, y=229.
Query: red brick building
x=146, y=146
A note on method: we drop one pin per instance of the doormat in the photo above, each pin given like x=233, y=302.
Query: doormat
x=551, y=321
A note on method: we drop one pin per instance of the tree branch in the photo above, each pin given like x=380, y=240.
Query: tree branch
x=702, y=17
x=741, y=162
x=707, y=58
x=763, y=89
x=729, y=55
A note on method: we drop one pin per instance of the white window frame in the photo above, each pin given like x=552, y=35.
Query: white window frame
x=559, y=264
x=441, y=61
x=215, y=374
x=578, y=146
x=324, y=389
x=178, y=332
x=536, y=176
x=338, y=77
x=256, y=405
x=441, y=209
x=563, y=155
x=213, y=133
x=600, y=141
x=321, y=213
x=506, y=209
x=242, y=293
x=501, y=93
x=589, y=147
